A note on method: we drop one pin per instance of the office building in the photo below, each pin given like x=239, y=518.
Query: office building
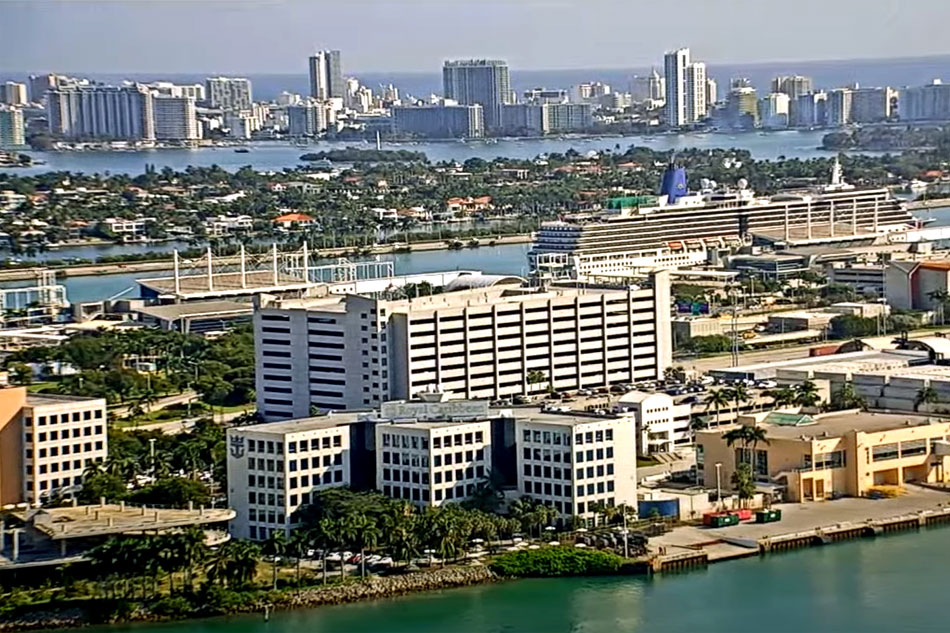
x=826, y=456
x=864, y=278
x=925, y=103
x=810, y=110
x=792, y=85
x=872, y=105
x=229, y=94
x=576, y=462
x=742, y=108
x=483, y=337
x=839, y=107
x=539, y=96
x=308, y=118
x=12, y=130
x=440, y=121
x=99, y=112
x=696, y=91
x=274, y=469
x=62, y=436
x=175, y=118
x=774, y=110
x=41, y=84
x=485, y=82
x=662, y=425
x=326, y=75
x=429, y=462
x=13, y=93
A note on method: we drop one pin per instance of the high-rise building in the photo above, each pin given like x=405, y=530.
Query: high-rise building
x=742, y=107
x=482, y=338
x=326, y=75
x=485, y=82
x=930, y=102
x=696, y=91
x=792, y=85
x=839, y=106
x=101, y=112
x=13, y=93
x=675, y=64
x=307, y=118
x=537, y=96
x=774, y=110
x=230, y=94
x=712, y=92
x=41, y=84
x=544, y=118
x=440, y=121
x=810, y=110
x=175, y=118
x=12, y=131
x=872, y=105
x=685, y=88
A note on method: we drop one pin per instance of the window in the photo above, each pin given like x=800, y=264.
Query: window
x=884, y=452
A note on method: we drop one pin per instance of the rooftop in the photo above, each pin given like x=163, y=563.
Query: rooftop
x=43, y=399
x=838, y=424
x=301, y=425
x=171, y=312
x=108, y=519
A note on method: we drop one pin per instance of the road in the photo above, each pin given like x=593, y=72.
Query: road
x=173, y=427
x=161, y=403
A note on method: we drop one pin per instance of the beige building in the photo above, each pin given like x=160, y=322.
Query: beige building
x=482, y=336
x=662, y=425
x=575, y=462
x=831, y=455
x=274, y=469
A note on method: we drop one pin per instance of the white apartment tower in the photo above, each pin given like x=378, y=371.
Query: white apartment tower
x=175, y=118
x=685, y=88
x=326, y=75
x=228, y=93
x=696, y=92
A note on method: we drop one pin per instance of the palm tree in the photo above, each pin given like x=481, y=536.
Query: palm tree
x=235, y=563
x=782, y=397
x=535, y=377
x=926, y=395
x=297, y=548
x=363, y=533
x=847, y=398
x=940, y=297
x=740, y=394
x=275, y=546
x=717, y=399
x=806, y=394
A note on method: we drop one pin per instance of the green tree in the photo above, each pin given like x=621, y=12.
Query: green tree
x=743, y=482
x=717, y=399
x=275, y=546
x=847, y=398
x=926, y=395
x=806, y=394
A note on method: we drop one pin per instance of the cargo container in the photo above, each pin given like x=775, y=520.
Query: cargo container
x=725, y=520
x=824, y=350
x=745, y=514
x=768, y=516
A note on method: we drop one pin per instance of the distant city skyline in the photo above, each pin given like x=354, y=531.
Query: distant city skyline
x=277, y=36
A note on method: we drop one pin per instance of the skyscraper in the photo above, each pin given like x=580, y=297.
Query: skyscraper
x=326, y=75
x=675, y=64
x=12, y=133
x=695, y=91
x=228, y=93
x=101, y=112
x=479, y=81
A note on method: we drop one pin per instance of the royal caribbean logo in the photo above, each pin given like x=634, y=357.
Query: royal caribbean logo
x=237, y=447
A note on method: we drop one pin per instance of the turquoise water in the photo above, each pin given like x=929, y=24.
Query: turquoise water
x=891, y=584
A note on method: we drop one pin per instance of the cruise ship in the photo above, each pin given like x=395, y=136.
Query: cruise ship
x=678, y=228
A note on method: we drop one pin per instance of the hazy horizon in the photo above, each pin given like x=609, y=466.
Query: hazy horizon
x=276, y=36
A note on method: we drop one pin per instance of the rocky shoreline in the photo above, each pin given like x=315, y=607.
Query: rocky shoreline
x=371, y=589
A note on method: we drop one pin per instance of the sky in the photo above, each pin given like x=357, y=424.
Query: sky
x=276, y=36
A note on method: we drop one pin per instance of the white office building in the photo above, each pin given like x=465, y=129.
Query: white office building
x=13, y=93
x=686, y=88
x=62, y=436
x=326, y=75
x=775, y=110
x=12, y=129
x=482, y=337
x=431, y=453
x=274, y=469
x=696, y=106
x=99, y=112
x=662, y=426
x=575, y=462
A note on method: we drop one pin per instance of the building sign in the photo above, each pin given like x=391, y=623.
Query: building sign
x=453, y=409
x=237, y=446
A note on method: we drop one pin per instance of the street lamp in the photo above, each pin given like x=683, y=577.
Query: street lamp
x=719, y=483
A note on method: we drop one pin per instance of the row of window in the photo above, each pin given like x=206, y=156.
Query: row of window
x=55, y=483
x=54, y=451
x=422, y=461
x=64, y=418
x=53, y=436
x=546, y=437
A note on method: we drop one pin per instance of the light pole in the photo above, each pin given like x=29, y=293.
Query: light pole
x=718, y=484
x=151, y=454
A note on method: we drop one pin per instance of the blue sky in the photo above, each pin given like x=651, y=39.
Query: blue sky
x=275, y=36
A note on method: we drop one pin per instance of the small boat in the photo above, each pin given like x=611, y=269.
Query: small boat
x=241, y=150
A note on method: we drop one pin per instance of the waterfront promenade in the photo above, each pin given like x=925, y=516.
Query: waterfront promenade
x=799, y=521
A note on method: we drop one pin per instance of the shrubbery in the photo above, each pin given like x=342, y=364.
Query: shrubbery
x=557, y=561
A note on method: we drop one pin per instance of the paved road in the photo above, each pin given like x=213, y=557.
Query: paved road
x=161, y=403
x=173, y=427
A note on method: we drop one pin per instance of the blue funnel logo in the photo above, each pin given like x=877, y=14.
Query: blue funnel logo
x=674, y=183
